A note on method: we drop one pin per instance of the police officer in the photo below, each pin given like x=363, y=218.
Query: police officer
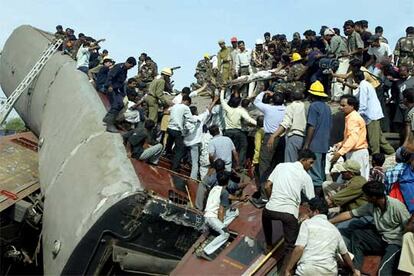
x=404, y=50
x=115, y=89
x=224, y=61
x=156, y=93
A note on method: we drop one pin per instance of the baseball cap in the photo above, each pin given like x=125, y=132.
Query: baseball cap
x=349, y=166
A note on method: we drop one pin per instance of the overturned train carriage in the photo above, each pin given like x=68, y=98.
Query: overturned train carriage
x=97, y=212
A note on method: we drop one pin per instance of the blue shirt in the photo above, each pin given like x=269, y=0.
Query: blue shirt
x=369, y=105
x=319, y=117
x=273, y=114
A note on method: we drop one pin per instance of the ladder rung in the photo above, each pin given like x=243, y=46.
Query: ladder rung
x=18, y=91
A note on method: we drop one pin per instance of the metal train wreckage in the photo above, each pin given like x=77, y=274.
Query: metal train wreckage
x=98, y=211
x=103, y=213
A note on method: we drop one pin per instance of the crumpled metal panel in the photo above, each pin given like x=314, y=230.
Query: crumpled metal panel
x=83, y=169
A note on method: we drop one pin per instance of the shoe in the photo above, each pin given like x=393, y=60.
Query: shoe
x=258, y=202
x=106, y=118
x=111, y=128
x=110, y=123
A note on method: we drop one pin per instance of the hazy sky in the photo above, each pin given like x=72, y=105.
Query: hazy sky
x=178, y=33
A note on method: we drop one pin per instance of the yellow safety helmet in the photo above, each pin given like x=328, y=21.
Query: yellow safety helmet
x=206, y=55
x=296, y=57
x=317, y=89
x=167, y=71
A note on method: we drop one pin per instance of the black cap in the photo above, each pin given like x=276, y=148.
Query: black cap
x=59, y=27
x=410, y=30
x=132, y=60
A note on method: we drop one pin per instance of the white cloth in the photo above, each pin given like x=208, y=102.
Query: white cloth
x=382, y=51
x=407, y=254
x=213, y=202
x=194, y=137
x=321, y=241
x=243, y=59
x=338, y=88
x=132, y=115
x=289, y=179
x=362, y=157
x=217, y=117
x=369, y=105
x=82, y=57
x=179, y=114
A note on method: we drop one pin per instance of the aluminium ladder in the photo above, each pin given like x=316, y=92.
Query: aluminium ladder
x=24, y=84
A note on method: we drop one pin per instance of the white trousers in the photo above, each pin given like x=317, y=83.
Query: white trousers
x=218, y=225
x=337, y=87
x=407, y=254
x=362, y=157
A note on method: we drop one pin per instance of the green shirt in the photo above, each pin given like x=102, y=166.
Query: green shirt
x=156, y=89
x=390, y=224
x=337, y=47
x=355, y=42
x=351, y=197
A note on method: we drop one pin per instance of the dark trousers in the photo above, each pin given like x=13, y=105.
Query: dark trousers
x=179, y=149
x=269, y=158
x=290, y=228
x=369, y=241
x=117, y=102
x=239, y=139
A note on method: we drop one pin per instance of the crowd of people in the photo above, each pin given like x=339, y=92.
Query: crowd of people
x=268, y=113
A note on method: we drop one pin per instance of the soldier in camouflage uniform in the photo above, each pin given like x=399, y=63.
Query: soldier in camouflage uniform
x=224, y=61
x=147, y=72
x=203, y=70
x=294, y=78
x=258, y=63
x=404, y=50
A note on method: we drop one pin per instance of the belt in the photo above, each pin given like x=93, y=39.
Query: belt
x=244, y=66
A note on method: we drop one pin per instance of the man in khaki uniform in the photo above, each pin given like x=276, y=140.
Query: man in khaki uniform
x=156, y=93
x=404, y=50
x=224, y=61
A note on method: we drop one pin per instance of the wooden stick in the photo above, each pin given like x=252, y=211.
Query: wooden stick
x=189, y=196
x=266, y=257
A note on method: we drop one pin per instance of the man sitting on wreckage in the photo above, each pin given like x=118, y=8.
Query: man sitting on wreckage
x=219, y=213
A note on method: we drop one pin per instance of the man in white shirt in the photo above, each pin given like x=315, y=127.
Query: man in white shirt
x=284, y=187
x=218, y=214
x=370, y=110
x=179, y=115
x=82, y=56
x=221, y=147
x=317, y=245
x=243, y=67
x=233, y=116
x=378, y=52
x=193, y=138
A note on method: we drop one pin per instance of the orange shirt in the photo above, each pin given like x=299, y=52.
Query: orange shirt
x=355, y=134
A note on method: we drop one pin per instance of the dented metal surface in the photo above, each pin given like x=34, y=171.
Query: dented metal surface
x=83, y=170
